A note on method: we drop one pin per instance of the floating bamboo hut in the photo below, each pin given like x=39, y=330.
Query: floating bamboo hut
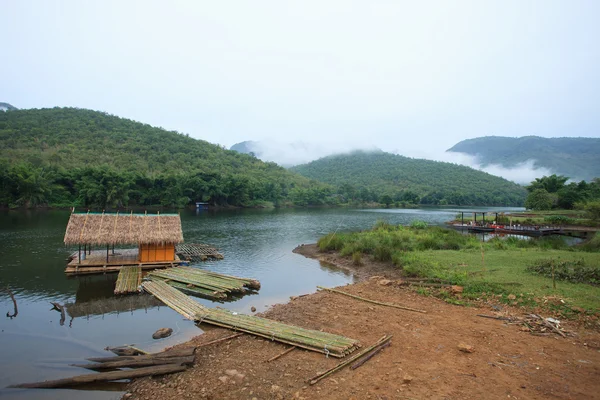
x=97, y=234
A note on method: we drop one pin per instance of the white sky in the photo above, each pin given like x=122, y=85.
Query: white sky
x=412, y=77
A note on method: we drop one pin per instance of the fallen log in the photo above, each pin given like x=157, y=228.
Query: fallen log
x=371, y=301
x=341, y=365
x=103, y=377
x=183, y=352
x=370, y=355
x=219, y=340
x=137, y=363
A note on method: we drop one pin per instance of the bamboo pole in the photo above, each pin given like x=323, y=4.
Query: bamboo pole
x=372, y=301
x=341, y=365
x=281, y=354
x=370, y=355
x=220, y=340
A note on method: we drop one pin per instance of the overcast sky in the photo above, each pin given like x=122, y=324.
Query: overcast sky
x=413, y=77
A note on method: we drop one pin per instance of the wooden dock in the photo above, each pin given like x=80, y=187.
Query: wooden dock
x=129, y=280
x=323, y=342
x=197, y=252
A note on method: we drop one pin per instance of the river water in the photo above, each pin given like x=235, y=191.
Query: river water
x=37, y=345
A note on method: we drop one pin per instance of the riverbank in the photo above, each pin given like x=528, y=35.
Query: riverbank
x=424, y=360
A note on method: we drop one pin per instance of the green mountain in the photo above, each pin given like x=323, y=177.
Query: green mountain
x=577, y=158
x=69, y=156
x=411, y=180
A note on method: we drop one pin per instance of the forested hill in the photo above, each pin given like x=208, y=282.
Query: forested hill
x=412, y=180
x=69, y=156
x=577, y=158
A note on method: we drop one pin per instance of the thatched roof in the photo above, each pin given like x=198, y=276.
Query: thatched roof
x=102, y=229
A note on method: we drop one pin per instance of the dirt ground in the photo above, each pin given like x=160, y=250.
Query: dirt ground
x=423, y=361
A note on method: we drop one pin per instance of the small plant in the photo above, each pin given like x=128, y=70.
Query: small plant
x=357, y=258
x=418, y=224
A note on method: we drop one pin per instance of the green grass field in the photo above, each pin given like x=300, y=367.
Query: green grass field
x=497, y=267
x=505, y=272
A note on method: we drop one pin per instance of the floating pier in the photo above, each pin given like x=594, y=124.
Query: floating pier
x=322, y=342
x=197, y=252
x=204, y=283
x=129, y=280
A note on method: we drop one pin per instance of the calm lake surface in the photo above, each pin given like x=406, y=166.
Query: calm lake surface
x=37, y=345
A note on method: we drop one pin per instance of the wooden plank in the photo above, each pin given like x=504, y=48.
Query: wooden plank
x=183, y=352
x=138, y=362
x=104, y=377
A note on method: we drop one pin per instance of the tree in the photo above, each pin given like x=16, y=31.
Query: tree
x=386, y=199
x=539, y=199
x=593, y=210
x=551, y=184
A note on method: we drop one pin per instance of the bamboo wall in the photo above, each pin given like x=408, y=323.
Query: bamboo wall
x=156, y=252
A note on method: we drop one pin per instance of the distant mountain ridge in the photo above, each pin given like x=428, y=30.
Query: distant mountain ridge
x=7, y=107
x=575, y=157
x=403, y=178
x=289, y=154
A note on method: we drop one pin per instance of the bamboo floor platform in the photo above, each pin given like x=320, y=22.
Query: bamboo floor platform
x=129, y=280
x=95, y=262
x=197, y=252
x=323, y=342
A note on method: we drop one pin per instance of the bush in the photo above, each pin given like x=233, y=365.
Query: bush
x=559, y=219
x=570, y=270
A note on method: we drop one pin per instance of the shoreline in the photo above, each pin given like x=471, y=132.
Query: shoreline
x=423, y=361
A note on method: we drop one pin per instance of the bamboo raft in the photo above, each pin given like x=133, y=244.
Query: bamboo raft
x=197, y=252
x=204, y=283
x=322, y=342
x=129, y=280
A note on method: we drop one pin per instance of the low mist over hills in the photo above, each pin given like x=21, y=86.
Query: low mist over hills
x=403, y=178
x=577, y=158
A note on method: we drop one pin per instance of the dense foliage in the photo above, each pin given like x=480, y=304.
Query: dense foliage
x=575, y=157
x=69, y=156
x=387, y=178
x=553, y=192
